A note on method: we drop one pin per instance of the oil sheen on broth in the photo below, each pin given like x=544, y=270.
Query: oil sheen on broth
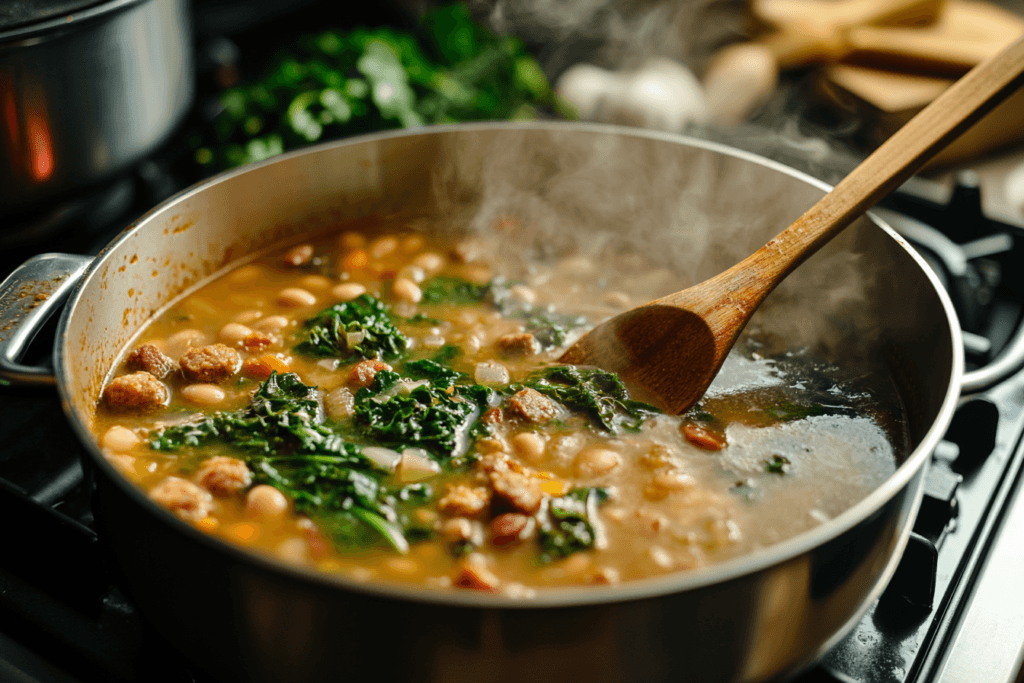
x=383, y=407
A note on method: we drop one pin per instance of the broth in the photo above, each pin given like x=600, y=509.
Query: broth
x=443, y=445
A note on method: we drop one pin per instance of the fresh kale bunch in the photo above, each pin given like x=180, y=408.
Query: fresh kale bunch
x=338, y=83
x=360, y=328
x=600, y=396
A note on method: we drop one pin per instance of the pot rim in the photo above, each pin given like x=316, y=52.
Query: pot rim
x=654, y=587
x=33, y=32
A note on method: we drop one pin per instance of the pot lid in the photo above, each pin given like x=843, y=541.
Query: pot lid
x=19, y=13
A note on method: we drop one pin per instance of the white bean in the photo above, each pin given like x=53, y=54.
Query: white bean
x=266, y=501
x=298, y=255
x=120, y=439
x=429, y=261
x=203, y=394
x=183, y=340
x=233, y=333
x=272, y=323
x=528, y=445
x=593, y=462
x=293, y=297
x=413, y=243
x=407, y=290
x=523, y=293
x=382, y=246
x=320, y=282
x=245, y=274
x=247, y=317
x=347, y=291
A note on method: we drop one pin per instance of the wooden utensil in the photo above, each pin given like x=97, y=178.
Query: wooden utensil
x=673, y=347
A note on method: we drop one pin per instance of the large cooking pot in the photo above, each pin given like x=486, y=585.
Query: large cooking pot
x=866, y=297
x=87, y=88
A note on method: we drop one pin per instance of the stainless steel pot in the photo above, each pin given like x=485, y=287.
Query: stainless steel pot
x=768, y=614
x=86, y=90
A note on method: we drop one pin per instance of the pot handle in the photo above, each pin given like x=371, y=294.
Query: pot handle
x=1008, y=362
x=28, y=297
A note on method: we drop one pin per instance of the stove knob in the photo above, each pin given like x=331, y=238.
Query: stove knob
x=914, y=580
x=939, y=505
x=973, y=430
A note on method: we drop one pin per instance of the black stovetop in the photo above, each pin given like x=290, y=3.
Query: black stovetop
x=63, y=616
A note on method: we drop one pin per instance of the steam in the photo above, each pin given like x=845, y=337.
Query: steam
x=652, y=217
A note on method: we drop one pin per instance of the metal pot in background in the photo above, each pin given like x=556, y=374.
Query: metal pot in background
x=86, y=91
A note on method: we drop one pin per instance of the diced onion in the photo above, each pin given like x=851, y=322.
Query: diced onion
x=385, y=458
x=354, y=338
x=417, y=465
x=491, y=373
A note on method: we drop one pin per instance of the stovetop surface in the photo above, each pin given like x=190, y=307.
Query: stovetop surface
x=63, y=616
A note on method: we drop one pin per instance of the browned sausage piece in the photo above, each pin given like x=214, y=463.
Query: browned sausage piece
x=183, y=498
x=510, y=527
x=492, y=416
x=521, y=344
x=473, y=573
x=363, y=373
x=223, y=476
x=210, y=364
x=519, y=491
x=137, y=390
x=464, y=501
x=532, y=405
x=148, y=358
x=257, y=341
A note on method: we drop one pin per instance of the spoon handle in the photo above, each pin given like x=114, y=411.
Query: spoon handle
x=935, y=126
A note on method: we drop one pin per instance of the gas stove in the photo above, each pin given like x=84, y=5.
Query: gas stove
x=952, y=612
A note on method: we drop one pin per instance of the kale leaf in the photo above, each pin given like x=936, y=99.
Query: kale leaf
x=445, y=289
x=547, y=326
x=285, y=443
x=569, y=523
x=365, y=319
x=433, y=371
x=599, y=395
x=434, y=415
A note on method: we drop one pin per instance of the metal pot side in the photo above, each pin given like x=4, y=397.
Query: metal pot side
x=246, y=617
x=88, y=96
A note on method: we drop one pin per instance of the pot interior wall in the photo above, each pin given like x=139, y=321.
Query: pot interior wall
x=690, y=208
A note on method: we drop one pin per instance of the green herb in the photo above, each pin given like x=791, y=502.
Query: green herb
x=599, y=395
x=360, y=328
x=777, y=464
x=434, y=415
x=786, y=411
x=569, y=524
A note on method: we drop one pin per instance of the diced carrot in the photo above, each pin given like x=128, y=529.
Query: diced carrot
x=207, y=524
x=244, y=532
x=354, y=260
x=555, y=487
x=702, y=437
x=260, y=368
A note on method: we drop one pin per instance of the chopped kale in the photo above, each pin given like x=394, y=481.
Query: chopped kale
x=599, y=395
x=435, y=416
x=548, y=327
x=433, y=371
x=284, y=442
x=777, y=464
x=569, y=524
x=445, y=289
x=360, y=328
x=446, y=354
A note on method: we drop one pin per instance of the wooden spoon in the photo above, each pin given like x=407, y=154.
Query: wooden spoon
x=672, y=348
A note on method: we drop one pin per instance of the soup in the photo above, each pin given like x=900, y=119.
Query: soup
x=378, y=405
